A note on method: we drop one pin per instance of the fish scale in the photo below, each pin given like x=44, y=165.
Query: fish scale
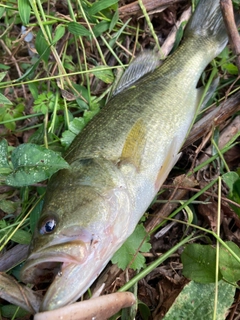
x=155, y=105
x=119, y=161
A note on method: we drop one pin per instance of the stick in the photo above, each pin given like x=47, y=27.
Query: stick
x=234, y=38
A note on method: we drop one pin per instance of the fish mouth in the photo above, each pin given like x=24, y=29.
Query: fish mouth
x=70, y=267
x=46, y=263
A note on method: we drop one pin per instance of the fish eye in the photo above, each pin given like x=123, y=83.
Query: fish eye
x=47, y=225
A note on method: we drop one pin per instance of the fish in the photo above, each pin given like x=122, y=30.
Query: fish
x=119, y=161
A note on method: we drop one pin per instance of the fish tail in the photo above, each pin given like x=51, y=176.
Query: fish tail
x=207, y=22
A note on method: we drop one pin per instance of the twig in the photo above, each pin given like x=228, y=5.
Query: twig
x=177, y=194
x=234, y=38
x=133, y=8
x=13, y=256
x=167, y=186
x=226, y=135
x=217, y=116
x=16, y=65
x=169, y=42
x=19, y=295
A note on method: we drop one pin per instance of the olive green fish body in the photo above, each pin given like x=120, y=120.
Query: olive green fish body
x=154, y=116
x=119, y=161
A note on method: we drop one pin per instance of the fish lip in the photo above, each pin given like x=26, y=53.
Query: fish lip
x=71, y=252
x=71, y=282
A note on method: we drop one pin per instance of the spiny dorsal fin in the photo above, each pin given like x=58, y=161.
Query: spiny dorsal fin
x=146, y=62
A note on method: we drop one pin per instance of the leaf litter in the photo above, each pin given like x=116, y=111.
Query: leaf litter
x=211, y=150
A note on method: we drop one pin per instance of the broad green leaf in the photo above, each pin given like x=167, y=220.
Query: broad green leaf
x=100, y=28
x=199, y=263
x=179, y=35
x=4, y=155
x=224, y=55
x=24, y=9
x=144, y=310
x=77, y=29
x=2, y=66
x=59, y=33
x=38, y=136
x=22, y=237
x=236, y=3
x=77, y=125
x=2, y=75
x=235, y=196
x=114, y=20
x=3, y=224
x=9, y=311
x=34, y=88
x=2, y=11
x=11, y=125
x=83, y=91
x=196, y=301
x=32, y=164
x=4, y=100
x=82, y=104
x=229, y=178
x=101, y=5
x=5, y=170
x=128, y=250
x=88, y=115
x=229, y=266
x=8, y=206
x=35, y=215
x=230, y=68
x=67, y=138
x=42, y=47
x=105, y=75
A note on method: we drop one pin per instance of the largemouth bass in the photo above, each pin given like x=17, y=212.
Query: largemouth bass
x=118, y=163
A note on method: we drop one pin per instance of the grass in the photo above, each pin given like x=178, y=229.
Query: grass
x=53, y=84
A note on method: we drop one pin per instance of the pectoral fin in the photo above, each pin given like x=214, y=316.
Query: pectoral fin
x=134, y=145
x=171, y=158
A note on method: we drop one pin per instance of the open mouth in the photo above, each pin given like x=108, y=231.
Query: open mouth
x=44, y=265
x=40, y=272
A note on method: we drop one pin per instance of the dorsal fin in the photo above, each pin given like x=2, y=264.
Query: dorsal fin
x=146, y=62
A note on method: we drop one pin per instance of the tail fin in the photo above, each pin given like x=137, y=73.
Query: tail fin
x=207, y=22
